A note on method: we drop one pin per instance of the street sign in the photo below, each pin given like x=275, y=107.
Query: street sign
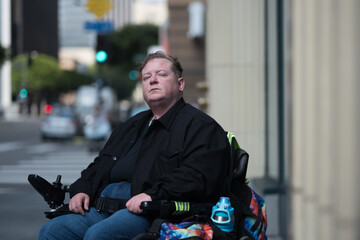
x=99, y=7
x=100, y=27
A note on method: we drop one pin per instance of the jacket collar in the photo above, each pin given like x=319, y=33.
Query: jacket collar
x=169, y=117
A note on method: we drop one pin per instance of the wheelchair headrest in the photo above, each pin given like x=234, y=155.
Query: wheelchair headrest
x=241, y=159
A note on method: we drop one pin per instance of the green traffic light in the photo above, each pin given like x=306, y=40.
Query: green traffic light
x=23, y=93
x=133, y=75
x=101, y=56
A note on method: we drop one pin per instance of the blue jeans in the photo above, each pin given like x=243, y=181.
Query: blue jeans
x=97, y=225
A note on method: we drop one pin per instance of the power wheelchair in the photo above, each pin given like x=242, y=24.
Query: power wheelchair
x=54, y=194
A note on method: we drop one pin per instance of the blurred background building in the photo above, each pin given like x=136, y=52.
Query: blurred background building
x=77, y=44
x=282, y=75
x=29, y=28
x=186, y=38
x=34, y=27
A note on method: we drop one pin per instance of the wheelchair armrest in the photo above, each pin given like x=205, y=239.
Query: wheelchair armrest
x=150, y=207
x=173, y=209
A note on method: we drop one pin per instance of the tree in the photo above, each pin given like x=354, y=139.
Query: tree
x=72, y=80
x=117, y=77
x=43, y=79
x=38, y=74
x=43, y=74
x=129, y=45
x=125, y=48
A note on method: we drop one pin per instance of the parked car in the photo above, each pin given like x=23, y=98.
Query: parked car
x=59, y=122
x=89, y=96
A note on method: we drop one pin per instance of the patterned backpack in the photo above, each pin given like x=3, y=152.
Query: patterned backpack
x=250, y=210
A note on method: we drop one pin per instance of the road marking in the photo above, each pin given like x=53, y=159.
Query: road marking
x=41, y=148
x=69, y=164
x=10, y=146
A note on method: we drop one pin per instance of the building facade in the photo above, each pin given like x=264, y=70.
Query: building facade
x=189, y=49
x=78, y=43
x=34, y=27
x=283, y=76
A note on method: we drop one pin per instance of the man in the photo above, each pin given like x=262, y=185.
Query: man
x=172, y=151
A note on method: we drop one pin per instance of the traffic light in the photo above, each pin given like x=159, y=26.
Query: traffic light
x=23, y=93
x=102, y=48
x=133, y=75
x=48, y=108
x=101, y=56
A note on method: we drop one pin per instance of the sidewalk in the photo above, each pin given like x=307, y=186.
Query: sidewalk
x=12, y=114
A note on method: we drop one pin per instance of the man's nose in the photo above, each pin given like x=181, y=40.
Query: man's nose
x=153, y=80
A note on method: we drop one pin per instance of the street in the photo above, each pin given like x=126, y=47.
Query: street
x=22, y=153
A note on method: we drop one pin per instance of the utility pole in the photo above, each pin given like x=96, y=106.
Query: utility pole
x=5, y=68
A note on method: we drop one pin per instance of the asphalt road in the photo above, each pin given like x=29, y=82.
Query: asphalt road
x=21, y=212
x=21, y=206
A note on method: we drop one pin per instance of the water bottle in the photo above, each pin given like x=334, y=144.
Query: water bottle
x=223, y=215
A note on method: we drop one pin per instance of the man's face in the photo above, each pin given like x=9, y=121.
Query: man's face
x=159, y=83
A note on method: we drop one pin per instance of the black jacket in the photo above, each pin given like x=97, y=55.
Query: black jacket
x=184, y=156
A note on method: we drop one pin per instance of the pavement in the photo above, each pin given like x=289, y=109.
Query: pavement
x=11, y=113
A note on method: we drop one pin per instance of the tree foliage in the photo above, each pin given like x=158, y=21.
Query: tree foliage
x=42, y=74
x=39, y=74
x=72, y=80
x=126, y=47
x=117, y=77
x=130, y=44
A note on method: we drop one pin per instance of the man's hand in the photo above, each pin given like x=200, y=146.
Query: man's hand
x=79, y=203
x=133, y=205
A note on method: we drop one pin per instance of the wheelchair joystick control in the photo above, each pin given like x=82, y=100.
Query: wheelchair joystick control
x=223, y=215
x=58, y=183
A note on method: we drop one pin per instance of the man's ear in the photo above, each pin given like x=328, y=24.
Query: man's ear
x=181, y=82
